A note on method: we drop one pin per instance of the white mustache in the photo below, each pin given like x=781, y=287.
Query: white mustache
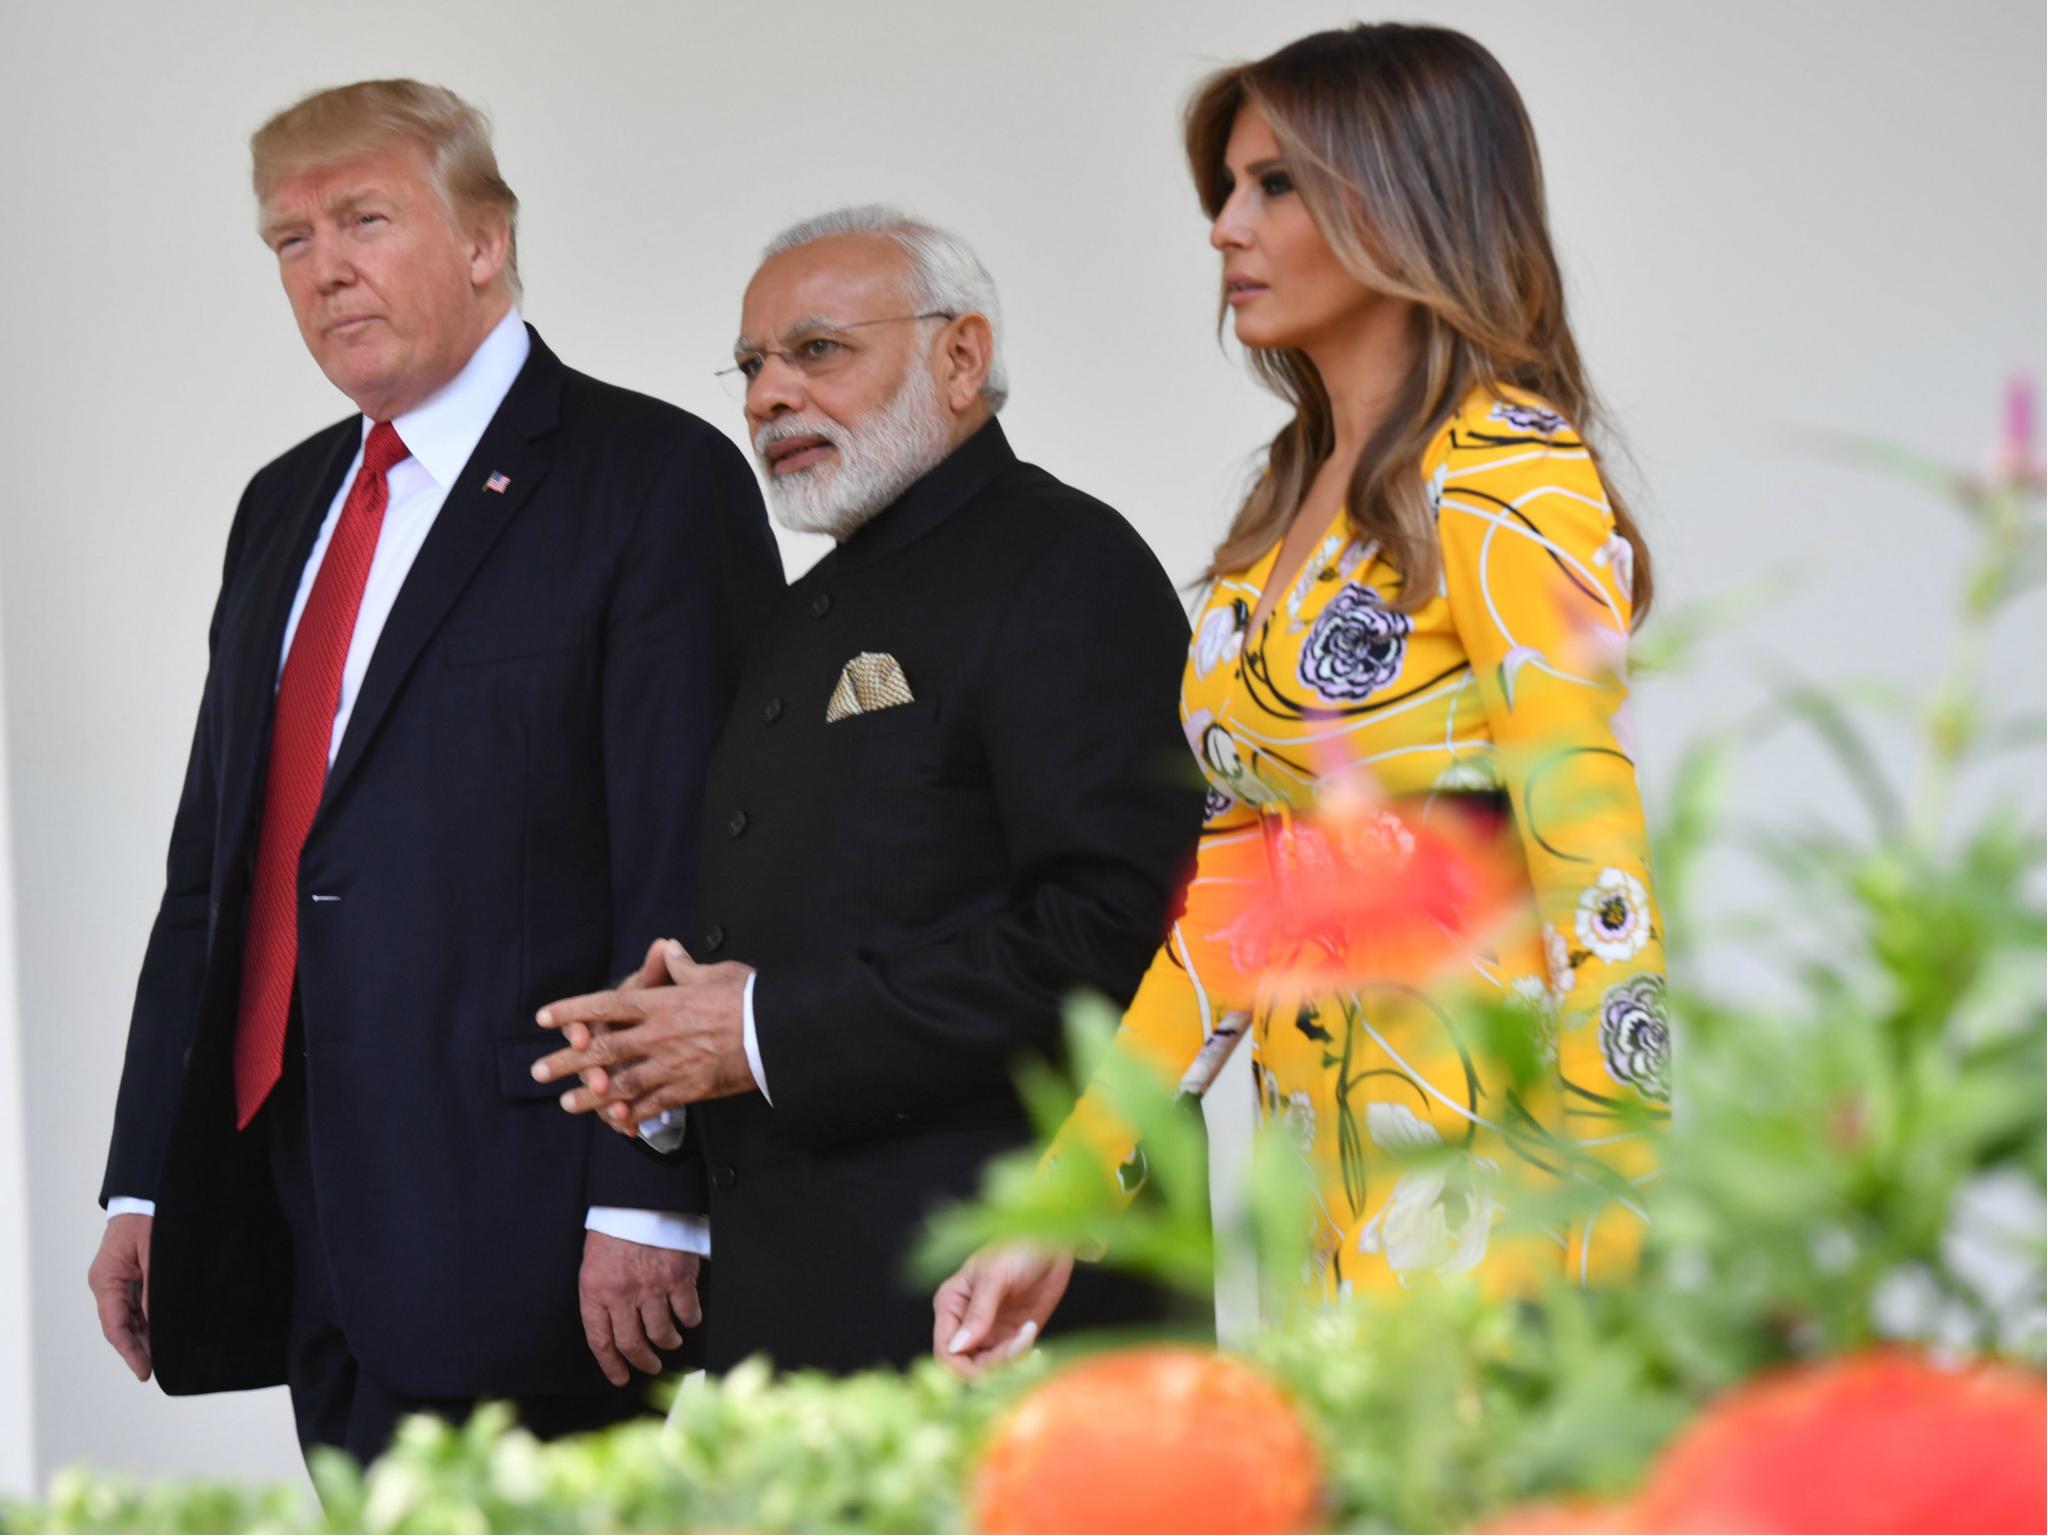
x=777, y=431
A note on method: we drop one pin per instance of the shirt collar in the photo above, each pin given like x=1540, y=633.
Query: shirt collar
x=442, y=431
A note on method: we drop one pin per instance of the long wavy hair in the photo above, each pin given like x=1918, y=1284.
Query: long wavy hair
x=1413, y=153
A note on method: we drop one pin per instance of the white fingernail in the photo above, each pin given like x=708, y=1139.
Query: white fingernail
x=1022, y=1342
x=959, y=1341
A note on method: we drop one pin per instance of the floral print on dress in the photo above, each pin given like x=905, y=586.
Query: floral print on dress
x=1356, y=646
x=1218, y=637
x=1415, y=1231
x=1526, y=418
x=1635, y=1036
x=1508, y=684
x=1614, y=916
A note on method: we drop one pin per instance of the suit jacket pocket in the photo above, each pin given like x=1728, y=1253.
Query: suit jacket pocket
x=515, y=1065
x=508, y=641
x=884, y=722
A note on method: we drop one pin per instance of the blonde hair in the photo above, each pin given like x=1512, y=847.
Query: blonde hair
x=373, y=116
x=1414, y=156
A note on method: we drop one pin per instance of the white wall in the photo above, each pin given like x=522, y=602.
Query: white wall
x=1778, y=221
x=17, y=1319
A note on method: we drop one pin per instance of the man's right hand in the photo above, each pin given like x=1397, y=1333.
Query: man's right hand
x=119, y=1278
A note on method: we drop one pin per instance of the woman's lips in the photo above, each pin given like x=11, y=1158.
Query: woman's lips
x=1243, y=293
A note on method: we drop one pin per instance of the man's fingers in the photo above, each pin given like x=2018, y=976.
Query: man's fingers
x=653, y=970
x=606, y=1049
x=120, y=1322
x=683, y=1302
x=659, y=1322
x=615, y=1005
x=597, y=1333
x=677, y=964
x=631, y=1338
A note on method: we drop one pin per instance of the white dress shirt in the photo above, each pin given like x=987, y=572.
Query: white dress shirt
x=440, y=434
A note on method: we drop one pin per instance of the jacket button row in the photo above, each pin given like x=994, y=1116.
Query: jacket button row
x=714, y=938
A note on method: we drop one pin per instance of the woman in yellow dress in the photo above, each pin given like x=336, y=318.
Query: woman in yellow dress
x=1429, y=593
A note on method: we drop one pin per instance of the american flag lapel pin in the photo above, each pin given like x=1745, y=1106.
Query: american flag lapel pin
x=498, y=482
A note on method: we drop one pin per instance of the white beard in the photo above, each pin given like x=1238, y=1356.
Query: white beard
x=879, y=458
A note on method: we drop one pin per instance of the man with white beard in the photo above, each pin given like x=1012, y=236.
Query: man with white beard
x=945, y=801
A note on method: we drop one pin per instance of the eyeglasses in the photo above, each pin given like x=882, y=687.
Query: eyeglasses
x=816, y=352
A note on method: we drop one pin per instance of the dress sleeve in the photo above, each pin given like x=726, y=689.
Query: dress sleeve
x=1538, y=581
x=1194, y=1004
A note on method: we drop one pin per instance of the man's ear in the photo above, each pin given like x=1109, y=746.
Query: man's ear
x=968, y=349
x=490, y=245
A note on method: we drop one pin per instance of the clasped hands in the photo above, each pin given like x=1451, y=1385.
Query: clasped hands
x=671, y=1034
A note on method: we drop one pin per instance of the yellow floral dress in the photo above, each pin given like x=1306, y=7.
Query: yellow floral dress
x=1506, y=689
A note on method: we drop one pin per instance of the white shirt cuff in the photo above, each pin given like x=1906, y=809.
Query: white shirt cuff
x=652, y=1229
x=752, y=1037
x=128, y=1205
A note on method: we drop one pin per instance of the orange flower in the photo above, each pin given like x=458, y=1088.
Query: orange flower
x=1165, y=1438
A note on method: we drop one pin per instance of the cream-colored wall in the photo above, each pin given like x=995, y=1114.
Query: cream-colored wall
x=1780, y=221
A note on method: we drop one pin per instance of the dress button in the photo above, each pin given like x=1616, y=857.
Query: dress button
x=714, y=937
x=772, y=711
x=724, y=1176
x=736, y=823
x=821, y=605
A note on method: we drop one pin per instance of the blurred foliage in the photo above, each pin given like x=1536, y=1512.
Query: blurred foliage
x=1857, y=1155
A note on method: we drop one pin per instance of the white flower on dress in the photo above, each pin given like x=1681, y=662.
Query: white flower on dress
x=1413, y=1230
x=1558, y=956
x=1216, y=750
x=1620, y=556
x=1614, y=916
x=1468, y=773
x=1216, y=638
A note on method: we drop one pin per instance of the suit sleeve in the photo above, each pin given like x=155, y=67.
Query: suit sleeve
x=168, y=994
x=1090, y=775
x=1538, y=583
x=701, y=567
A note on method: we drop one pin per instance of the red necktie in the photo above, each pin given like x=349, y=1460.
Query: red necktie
x=308, y=694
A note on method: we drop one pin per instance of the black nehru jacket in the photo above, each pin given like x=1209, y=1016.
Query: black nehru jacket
x=921, y=888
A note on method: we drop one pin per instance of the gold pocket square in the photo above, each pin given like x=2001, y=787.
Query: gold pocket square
x=871, y=681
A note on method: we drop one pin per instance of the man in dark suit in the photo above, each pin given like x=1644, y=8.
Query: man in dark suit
x=946, y=799
x=468, y=659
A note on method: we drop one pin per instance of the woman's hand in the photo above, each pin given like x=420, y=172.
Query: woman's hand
x=995, y=1305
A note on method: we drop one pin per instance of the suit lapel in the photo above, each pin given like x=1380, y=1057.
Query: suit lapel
x=468, y=524
x=254, y=653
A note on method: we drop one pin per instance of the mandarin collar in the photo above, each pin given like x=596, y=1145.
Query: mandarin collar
x=946, y=488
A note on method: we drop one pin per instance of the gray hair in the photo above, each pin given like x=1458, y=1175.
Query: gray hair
x=945, y=274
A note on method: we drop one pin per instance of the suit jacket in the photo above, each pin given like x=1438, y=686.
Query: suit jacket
x=921, y=888
x=511, y=816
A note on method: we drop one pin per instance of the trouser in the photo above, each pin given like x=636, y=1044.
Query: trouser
x=335, y=1401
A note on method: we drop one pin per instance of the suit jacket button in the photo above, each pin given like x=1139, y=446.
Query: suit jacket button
x=736, y=823
x=772, y=711
x=821, y=605
x=714, y=937
x=724, y=1176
